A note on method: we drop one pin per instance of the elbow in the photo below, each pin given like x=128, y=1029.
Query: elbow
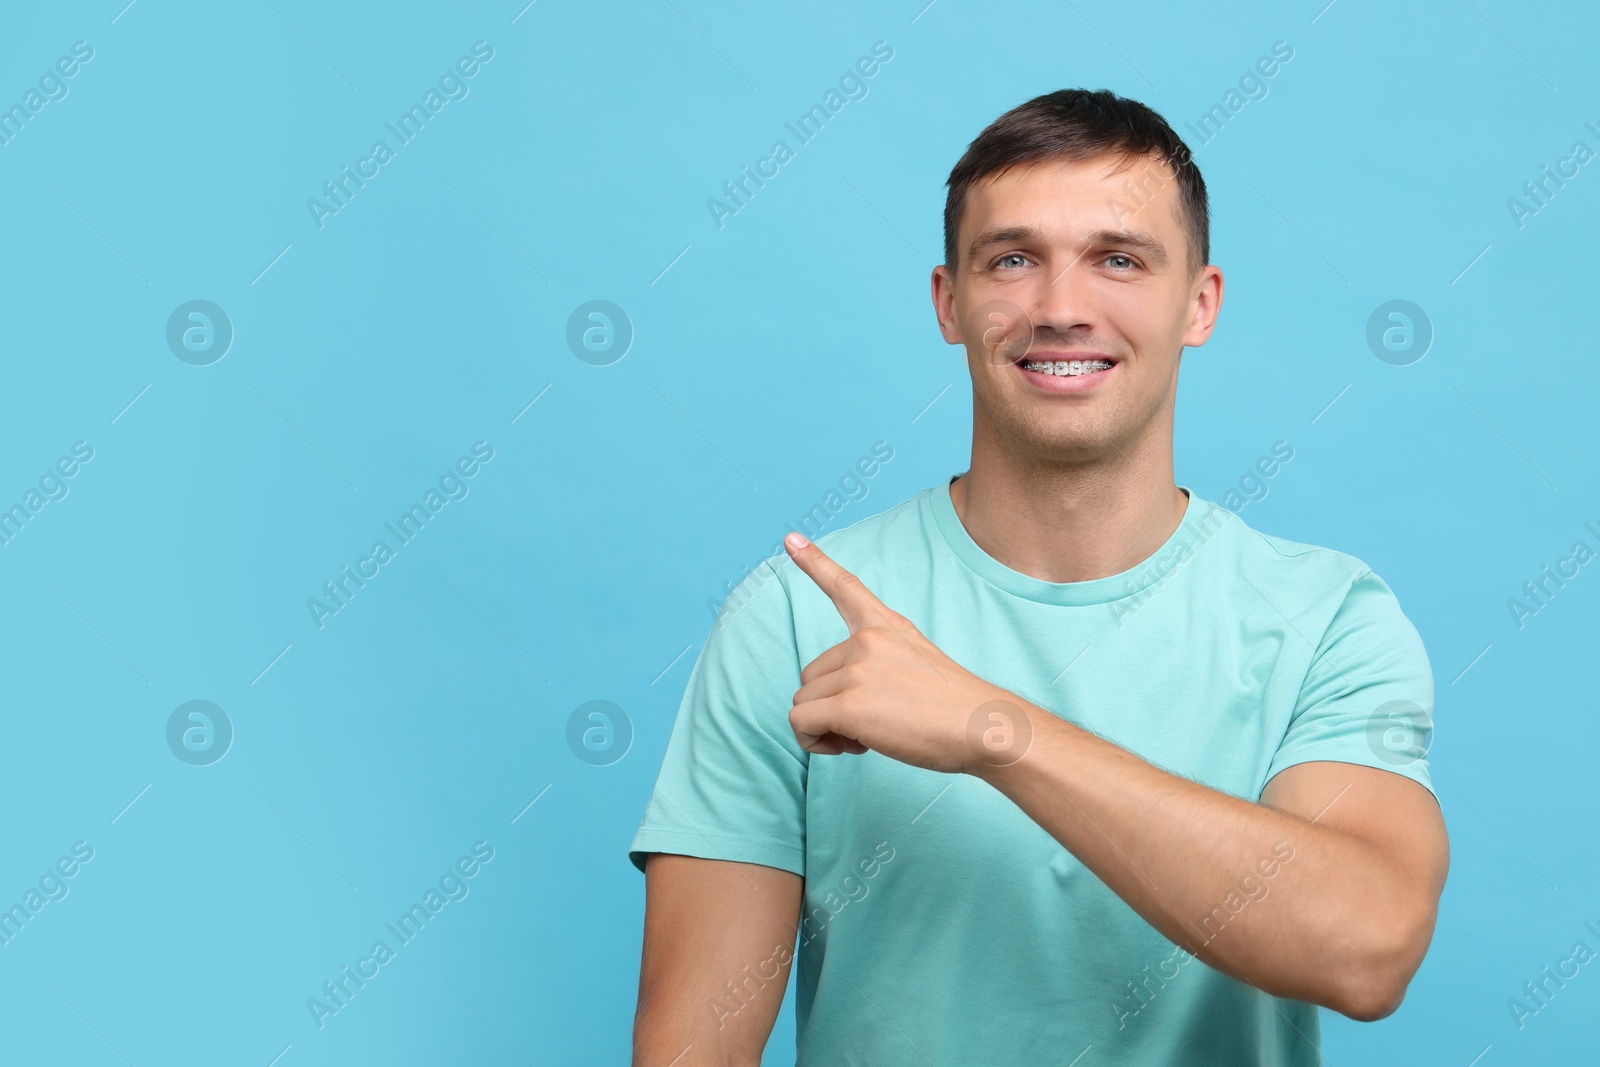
x=1378, y=982
x=1376, y=998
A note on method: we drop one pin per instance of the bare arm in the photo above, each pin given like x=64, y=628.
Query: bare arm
x=1357, y=859
x=718, y=942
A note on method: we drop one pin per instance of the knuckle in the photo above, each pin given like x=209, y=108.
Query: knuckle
x=874, y=637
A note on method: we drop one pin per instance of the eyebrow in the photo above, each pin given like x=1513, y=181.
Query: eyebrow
x=1139, y=239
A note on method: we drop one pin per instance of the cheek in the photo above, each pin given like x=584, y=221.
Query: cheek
x=996, y=330
x=1151, y=323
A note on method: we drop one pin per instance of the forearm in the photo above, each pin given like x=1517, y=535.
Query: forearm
x=672, y=1031
x=1190, y=861
x=707, y=1014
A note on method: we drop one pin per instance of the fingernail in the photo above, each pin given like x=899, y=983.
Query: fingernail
x=796, y=541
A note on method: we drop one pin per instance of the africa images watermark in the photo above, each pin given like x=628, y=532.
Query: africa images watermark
x=1154, y=175
x=852, y=86
x=854, y=889
x=1253, y=487
x=853, y=487
x=452, y=886
x=1168, y=564
x=452, y=85
x=52, y=486
x=1253, y=86
x=1539, y=191
x=1539, y=994
x=1538, y=592
x=452, y=485
x=52, y=87
x=52, y=886
x=1253, y=889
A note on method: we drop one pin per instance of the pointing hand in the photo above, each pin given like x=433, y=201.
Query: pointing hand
x=888, y=688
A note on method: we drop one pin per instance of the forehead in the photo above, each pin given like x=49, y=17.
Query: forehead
x=1079, y=195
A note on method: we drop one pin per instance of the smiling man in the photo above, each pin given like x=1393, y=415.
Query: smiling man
x=1008, y=818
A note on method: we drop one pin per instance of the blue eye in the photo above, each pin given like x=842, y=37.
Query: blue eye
x=1119, y=255
x=1009, y=255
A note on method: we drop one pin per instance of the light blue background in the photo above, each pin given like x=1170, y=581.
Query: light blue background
x=768, y=355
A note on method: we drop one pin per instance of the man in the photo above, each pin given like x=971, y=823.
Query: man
x=1055, y=756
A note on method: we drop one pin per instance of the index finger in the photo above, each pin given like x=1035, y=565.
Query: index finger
x=856, y=603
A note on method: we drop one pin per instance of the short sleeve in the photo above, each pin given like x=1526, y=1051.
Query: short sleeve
x=732, y=782
x=1367, y=697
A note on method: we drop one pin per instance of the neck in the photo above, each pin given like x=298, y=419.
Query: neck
x=1069, y=523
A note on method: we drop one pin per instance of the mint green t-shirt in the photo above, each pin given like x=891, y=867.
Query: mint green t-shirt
x=940, y=924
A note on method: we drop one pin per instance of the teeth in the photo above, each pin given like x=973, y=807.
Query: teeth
x=1067, y=368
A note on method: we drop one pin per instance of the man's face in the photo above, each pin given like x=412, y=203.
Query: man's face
x=1079, y=260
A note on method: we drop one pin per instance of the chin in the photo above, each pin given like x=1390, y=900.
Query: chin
x=1057, y=450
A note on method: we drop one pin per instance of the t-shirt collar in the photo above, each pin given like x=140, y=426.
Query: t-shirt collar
x=1190, y=532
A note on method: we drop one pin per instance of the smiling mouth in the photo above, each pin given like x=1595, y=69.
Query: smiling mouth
x=1067, y=368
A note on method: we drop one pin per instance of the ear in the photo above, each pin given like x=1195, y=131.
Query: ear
x=944, y=305
x=1207, y=304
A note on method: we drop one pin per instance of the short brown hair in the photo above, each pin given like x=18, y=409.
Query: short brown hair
x=1077, y=124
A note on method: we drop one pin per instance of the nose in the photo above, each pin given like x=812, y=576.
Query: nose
x=1065, y=301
